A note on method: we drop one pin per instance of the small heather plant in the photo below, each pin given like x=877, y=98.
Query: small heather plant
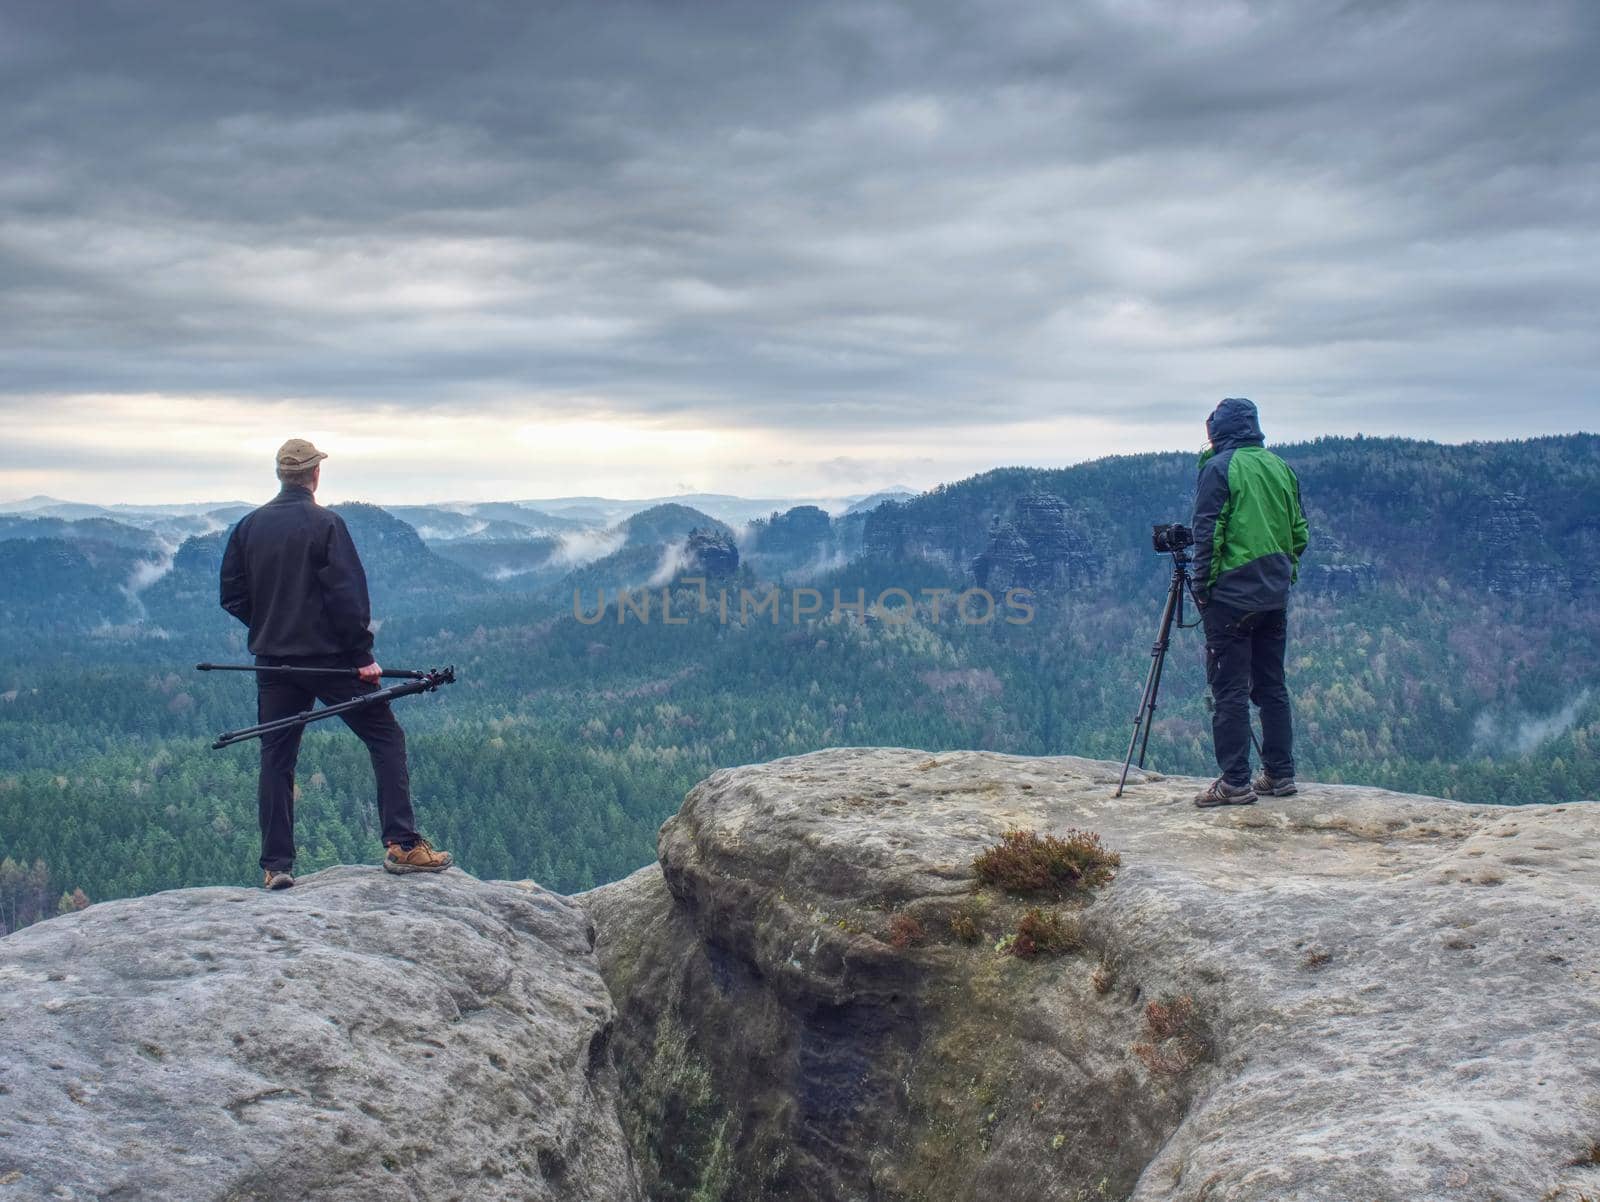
x=965, y=927
x=1029, y=863
x=905, y=931
x=1176, y=1043
x=1044, y=932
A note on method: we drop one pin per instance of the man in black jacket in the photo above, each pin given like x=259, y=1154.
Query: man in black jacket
x=291, y=574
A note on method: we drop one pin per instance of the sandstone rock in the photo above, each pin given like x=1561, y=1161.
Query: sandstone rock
x=1046, y=545
x=359, y=1036
x=1515, y=556
x=711, y=552
x=1358, y=995
x=1339, y=579
x=802, y=533
x=1006, y=562
x=1061, y=540
x=938, y=534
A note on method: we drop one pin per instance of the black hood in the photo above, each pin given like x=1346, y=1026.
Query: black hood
x=1234, y=424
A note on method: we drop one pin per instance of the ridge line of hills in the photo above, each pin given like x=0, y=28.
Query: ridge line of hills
x=1444, y=641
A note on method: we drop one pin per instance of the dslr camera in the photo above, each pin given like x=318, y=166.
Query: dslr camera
x=1168, y=538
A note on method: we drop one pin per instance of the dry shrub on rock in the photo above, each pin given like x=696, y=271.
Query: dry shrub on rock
x=1045, y=932
x=1029, y=863
x=1177, y=1038
x=905, y=931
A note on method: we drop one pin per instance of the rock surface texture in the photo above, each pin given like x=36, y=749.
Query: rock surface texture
x=359, y=1036
x=1347, y=995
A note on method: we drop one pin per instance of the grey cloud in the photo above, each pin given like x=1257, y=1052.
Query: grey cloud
x=815, y=215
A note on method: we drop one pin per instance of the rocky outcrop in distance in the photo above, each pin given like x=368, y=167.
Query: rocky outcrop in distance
x=710, y=552
x=1339, y=579
x=1045, y=546
x=1510, y=542
x=1347, y=994
x=360, y=1036
x=801, y=533
x=1037, y=541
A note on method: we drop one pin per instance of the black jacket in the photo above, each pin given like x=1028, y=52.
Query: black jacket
x=291, y=574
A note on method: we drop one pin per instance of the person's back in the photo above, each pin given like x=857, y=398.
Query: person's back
x=291, y=573
x=1249, y=532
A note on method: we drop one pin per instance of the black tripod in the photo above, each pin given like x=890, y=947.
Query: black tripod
x=1171, y=612
x=416, y=682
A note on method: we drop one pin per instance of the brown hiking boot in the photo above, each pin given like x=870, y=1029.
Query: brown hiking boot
x=1221, y=793
x=276, y=880
x=1274, y=786
x=420, y=857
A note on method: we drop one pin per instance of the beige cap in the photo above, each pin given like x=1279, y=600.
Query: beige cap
x=297, y=455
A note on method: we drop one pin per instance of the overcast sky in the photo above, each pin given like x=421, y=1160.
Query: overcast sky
x=487, y=249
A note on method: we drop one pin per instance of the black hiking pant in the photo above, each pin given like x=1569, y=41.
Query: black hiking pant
x=281, y=694
x=1244, y=663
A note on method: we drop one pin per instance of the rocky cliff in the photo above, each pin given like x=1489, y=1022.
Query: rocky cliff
x=1347, y=995
x=1035, y=541
x=1344, y=995
x=360, y=1036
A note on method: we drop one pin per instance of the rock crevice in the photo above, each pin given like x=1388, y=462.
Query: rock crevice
x=1346, y=994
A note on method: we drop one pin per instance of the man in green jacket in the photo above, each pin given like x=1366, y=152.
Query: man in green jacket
x=1249, y=534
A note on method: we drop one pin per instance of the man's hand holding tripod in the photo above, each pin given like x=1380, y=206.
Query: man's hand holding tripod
x=371, y=673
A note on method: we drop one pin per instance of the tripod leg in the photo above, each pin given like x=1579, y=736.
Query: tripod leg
x=1150, y=714
x=1138, y=724
x=1180, y=582
x=1152, y=680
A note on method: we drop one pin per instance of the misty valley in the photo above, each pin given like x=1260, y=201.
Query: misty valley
x=1443, y=642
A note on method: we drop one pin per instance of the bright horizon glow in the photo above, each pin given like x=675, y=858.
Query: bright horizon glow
x=151, y=449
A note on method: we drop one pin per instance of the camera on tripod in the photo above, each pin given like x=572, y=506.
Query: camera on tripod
x=1168, y=538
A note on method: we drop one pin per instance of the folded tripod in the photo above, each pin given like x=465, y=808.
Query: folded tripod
x=416, y=682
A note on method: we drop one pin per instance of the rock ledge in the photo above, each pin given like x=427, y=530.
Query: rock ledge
x=359, y=1036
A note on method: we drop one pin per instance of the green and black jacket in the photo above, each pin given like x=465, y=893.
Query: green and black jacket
x=1249, y=530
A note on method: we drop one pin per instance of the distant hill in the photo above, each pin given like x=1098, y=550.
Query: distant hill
x=1505, y=517
x=867, y=504
x=666, y=523
x=59, y=584
x=92, y=530
x=801, y=540
x=527, y=561
x=43, y=506
x=521, y=515
x=493, y=522
x=731, y=510
x=443, y=525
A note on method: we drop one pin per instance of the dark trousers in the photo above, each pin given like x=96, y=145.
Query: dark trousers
x=1244, y=663
x=280, y=694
